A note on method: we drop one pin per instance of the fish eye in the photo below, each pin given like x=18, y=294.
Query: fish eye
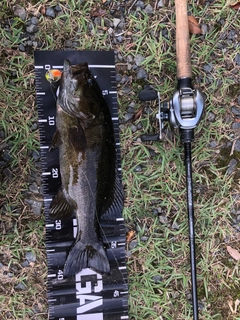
x=90, y=82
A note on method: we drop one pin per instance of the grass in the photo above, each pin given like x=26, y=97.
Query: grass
x=155, y=206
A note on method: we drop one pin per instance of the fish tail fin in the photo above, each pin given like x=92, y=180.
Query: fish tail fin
x=86, y=255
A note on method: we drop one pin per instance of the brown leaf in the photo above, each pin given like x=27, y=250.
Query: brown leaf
x=233, y=253
x=235, y=5
x=193, y=25
x=130, y=235
x=98, y=12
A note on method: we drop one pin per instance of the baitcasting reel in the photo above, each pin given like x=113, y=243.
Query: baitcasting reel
x=183, y=111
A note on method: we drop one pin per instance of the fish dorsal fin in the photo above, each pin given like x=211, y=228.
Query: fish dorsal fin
x=113, y=208
x=60, y=207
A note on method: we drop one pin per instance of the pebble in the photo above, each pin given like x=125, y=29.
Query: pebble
x=208, y=67
x=33, y=187
x=30, y=256
x=160, y=4
x=237, y=145
x=34, y=20
x=116, y=22
x=236, y=125
x=163, y=219
x=50, y=12
x=138, y=168
x=19, y=12
x=35, y=205
x=204, y=28
x=148, y=9
x=144, y=238
x=142, y=74
x=157, y=279
x=231, y=166
x=32, y=28
x=237, y=59
x=20, y=286
x=21, y=47
x=58, y=8
x=213, y=144
x=211, y=117
x=175, y=226
x=139, y=59
x=6, y=157
x=140, y=4
x=236, y=110
x=133, y=244
x=239, y=100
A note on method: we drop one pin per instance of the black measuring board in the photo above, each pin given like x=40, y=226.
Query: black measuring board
x=88, y=295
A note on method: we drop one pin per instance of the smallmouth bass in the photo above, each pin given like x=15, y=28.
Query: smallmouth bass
x=91, y=188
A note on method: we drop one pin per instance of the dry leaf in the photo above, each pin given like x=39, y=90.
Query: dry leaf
x=130, y=235
x=98, y=12
x=235, y=5
x=193, y=25
x=233, y=253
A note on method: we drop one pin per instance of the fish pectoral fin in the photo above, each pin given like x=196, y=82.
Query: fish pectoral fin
x=56, y=141
x=77, y=138
x=60, y=207
x=113, y=207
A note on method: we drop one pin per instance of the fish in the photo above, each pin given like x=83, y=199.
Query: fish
x=91, y=189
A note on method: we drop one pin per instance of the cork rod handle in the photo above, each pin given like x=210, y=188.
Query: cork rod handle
x=184, y=69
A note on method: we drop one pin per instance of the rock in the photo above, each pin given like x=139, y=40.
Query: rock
x=6, y=157
x=67, y=43
x=139, y=59
x=148, y=9
x=20, y=286
x=239, y=101
x=138, y=168
x=32, y=28
x=36, y=206
x=30, y=256
x=34, y=20
x=236, y=110
x=21, y=47
x=237, y=59
x=57, y=8
x=175, y=226
x=144, y=238
x=163, y=219
x=236, y=125
x=19, y=12
x=211, y=117
x=33, y=187
x=231, y=166
x=160, y=4
x=237, y=145
x=140, y=4
x=157, y=278
x=213, y=144
x=208, y=67
x=116, y=22
x=204, y=28
x=142, y=74
x=133, y=244
x=50, y=12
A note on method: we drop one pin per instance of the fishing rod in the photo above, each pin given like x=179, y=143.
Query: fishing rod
x=184, y=111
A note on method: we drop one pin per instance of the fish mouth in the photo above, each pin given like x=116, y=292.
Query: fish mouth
x=76, y=79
